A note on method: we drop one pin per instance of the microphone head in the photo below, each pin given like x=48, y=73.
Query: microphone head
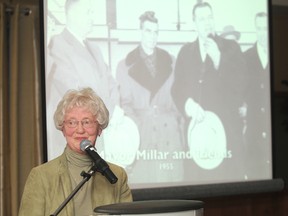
x=84, y=144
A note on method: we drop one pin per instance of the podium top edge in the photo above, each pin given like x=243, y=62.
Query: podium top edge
x=150, y=206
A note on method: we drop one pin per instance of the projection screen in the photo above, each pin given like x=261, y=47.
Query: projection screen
x=188, y=91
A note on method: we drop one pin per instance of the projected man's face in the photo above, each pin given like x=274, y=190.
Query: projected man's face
x=204, y=21
x=80, y=17
x=149, y=34
x=262, y=31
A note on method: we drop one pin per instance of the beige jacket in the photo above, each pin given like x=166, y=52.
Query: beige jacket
x=48, y=185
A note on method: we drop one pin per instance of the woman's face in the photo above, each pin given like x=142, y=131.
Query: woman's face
x=80, y=124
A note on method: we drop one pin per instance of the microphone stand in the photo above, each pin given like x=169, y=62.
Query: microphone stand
x=86, y=177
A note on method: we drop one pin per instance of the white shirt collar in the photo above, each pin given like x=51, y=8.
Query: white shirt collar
x=202, y=49
x=263, y=55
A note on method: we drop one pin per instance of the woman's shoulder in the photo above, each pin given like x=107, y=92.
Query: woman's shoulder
x=51, y=166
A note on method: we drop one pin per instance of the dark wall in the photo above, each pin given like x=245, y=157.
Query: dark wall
x=280, y=91
x=279, y=47
x=280, y=136
x=270, y=204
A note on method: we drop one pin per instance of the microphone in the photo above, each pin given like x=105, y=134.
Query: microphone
x=100, y=164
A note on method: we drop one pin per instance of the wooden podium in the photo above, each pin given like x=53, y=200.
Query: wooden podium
x=154, y=207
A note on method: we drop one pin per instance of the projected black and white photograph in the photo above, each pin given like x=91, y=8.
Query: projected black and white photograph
x=186, y=83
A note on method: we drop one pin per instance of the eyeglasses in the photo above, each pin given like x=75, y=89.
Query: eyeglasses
x=73, y=123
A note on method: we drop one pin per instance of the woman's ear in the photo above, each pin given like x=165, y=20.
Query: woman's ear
x=99, y=132
x=63, y=132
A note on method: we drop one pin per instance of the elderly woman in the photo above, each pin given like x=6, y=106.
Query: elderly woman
x=80, y=115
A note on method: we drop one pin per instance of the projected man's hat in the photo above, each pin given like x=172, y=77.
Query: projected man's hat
x=207, y=141
x=230, y=30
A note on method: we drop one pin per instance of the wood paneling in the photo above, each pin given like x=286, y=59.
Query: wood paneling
x=270, y=204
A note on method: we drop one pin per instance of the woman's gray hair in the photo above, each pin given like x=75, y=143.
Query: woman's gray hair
x=85, y=98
